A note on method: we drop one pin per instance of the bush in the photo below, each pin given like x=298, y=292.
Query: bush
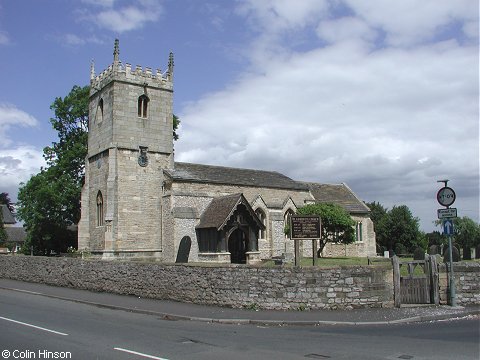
x=419, y=254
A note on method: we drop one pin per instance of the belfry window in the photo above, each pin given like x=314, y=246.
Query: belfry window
x=99, y=209
x=143, y=106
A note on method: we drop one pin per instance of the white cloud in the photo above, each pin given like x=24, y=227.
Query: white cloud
x=346, y=28
x=18, y=165
x=11, y=116
x=410, y=22
x=386, y=120
x=276, y=23
x=104, y=3
x=279, y=15
x=123, y=18
x=75, y=40
x=4, y=39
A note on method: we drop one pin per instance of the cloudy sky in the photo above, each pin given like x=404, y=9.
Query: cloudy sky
x=380, y=94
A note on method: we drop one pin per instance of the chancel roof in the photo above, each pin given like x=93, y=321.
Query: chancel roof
x=233, y=176
x=218, y=212
x=339, y=194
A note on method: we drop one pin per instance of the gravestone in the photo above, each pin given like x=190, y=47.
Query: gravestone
x=184, y=250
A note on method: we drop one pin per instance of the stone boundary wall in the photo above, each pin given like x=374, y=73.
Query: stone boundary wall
x=467, y=283
x=280, y=288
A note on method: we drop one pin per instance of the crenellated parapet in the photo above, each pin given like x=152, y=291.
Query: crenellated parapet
x=124, y=72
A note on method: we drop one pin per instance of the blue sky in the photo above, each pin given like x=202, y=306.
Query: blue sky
x=382, y=95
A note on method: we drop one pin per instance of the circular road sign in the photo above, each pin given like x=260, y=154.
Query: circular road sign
x=446, y=196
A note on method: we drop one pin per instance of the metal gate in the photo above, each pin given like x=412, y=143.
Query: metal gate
x=415, y=281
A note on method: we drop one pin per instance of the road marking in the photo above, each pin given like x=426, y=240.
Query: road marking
x=33, y=326
x=139, y=354
x=26, y=291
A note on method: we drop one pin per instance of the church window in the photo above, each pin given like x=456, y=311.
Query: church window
x=286, y=219
x=207, y=240
x=99, y=209
x=99, y=115
x=261, y=216
x=143, y=106
x=358, y=231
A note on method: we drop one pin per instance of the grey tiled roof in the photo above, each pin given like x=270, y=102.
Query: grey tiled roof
x=16, y=234
x=220, y=209
x=338, y=194
x=7, y=215
x=233, y=176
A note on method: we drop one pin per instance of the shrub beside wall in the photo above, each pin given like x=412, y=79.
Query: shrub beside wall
x=279, y=288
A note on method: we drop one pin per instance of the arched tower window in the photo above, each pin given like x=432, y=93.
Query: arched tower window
x=143, y=106
x=99, y=209
x=99, y=114
x=261, y=216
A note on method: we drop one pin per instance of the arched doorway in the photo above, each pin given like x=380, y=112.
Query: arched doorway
x=237, y=246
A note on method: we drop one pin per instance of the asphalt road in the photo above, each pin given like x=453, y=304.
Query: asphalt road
x=38, y=327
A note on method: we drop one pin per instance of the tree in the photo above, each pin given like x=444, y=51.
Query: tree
x=50, y=201
x=47, y=207
x=5, y=200
x=435, y=238
x=3, y=233
x=396, y=229
x=402, y=227
x=176, y=123
x=467, y=234
x=337, y=225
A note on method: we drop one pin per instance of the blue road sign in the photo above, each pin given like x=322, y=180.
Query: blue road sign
x=448, y=227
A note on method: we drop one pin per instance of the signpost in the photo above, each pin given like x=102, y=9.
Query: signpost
x=446, y=197
x=305, y=227
x=447, y=213
x=448, y=227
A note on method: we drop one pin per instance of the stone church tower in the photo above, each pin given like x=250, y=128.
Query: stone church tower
x=130, y=144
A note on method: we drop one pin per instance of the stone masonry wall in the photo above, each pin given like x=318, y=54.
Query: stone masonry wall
x=279, y=288
x=467, y=283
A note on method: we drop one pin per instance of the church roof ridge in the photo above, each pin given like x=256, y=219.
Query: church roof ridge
x=339, y=194
x=233, y=176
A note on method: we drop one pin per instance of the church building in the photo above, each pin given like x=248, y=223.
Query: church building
x=138, y=202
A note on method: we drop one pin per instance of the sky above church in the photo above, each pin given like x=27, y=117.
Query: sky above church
x=380, y=94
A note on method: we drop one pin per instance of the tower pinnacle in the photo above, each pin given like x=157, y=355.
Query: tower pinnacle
x=170, y=67
x=116, y=52
x=92, y=70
